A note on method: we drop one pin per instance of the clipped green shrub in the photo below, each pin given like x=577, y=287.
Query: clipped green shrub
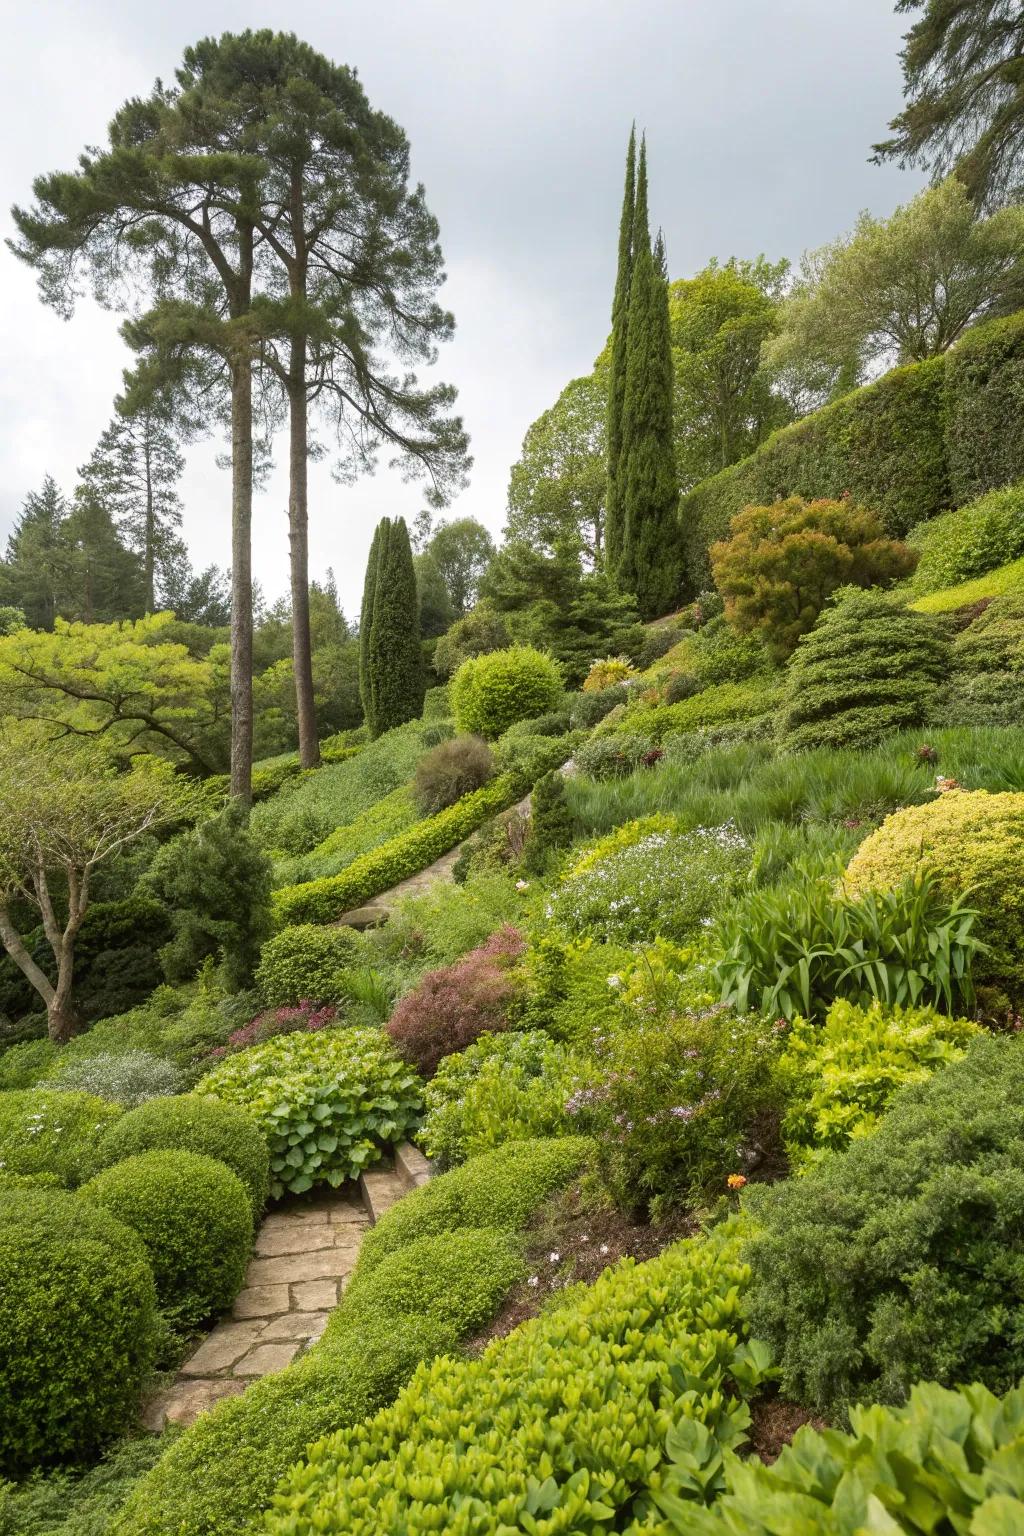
x=127, y=1078
x=195, y=1221
x=587, y=709
x=973, y=844
x=984, y=400
x=586, y=1395
x=22, y=1065
x=327, y=1103
x=948, y=1461
x=615, y=755
x=449, y=771
x=78, y=1328
x=900, y=1258
x=193, y=1123
x=837, y=1077
x=970, y=540
x=994, y=643
x=869, y=667
x=719, y=704
x=45, y=1130
x=458, y=1278
x=305, y=961
x=491, y=692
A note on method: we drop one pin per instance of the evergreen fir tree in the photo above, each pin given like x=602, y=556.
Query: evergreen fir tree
x=397, y=680
x=551, y=824
x=366, y=615
x=647, y=470
x=617, y=372
x=105, y=580
x=35, y=574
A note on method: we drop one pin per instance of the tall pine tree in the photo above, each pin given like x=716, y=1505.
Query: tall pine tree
x=648, y=486
x=613, y=525
x=366, y=614
x=396, y=673
x=36, y=572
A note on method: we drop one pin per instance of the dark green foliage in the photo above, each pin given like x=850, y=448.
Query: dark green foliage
x=551, y=824
x=589, y=709
x=450, y=770
x=194, y=1218
x=216, y=881
x=614, y=515
x=647, y=466
x=985, y=409
x=45, y=1130
x=480, y=631
x=869, y=667
x=902, y=1258
x=394, y=680
x=191, y=1122
x=78, y=1327
x=305, y=962
x=78, y=1503
x=366, y=613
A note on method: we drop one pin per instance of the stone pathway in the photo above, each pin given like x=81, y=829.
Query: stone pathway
x=305, y=1250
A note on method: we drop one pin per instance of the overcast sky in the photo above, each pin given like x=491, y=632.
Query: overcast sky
x=759, y=117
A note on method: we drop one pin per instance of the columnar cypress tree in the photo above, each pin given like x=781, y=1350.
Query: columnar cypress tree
x=647, y=469
x=397, y=680
x=366, y=615
x=617, y=372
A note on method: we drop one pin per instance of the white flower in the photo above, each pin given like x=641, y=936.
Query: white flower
x=584, y=1238
x=533, y=1280
x=603, y=1248
x=522, y=885
x=553, y=1258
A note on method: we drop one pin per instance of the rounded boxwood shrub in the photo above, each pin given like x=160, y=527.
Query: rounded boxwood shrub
x=193, y=1123
x=449, y=771
x=492, y=692
x=457, y=1278
x=44, y=1130
x=127, y=1078
x=78, y=1327
x=305, y=961
x=973, y=842
x=194, y=1218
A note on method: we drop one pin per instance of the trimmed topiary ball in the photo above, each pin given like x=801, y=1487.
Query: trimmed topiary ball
x=973, y=842
x=492, y=692
x=44, y=1130
x=194, y=1218
x=78, y=1327
x=192, y=1122
x=303, y=962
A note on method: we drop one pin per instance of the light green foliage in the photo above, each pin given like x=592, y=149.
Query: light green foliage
x=837, y=1077
x=195, y=1221
x=627, y=835
x=503, y=1087
x=492, y=692
x=45, y=1130
x=458, y=1278
x=794, y=950
x=556, y=489
x=970, y=541
x=192, y=1123
x=973, y=845
x=869, y=667
x=305, y=961
x=22, y=1065
x=328, y=1103
x=948, y=1460
x=127, y=1079
x=376, y=825
x=181, y=1024
x=900, y=1258
x=78, y=1327
x=987, y=684
x=665, y=885
x=437, y=925
x=480, y=631
x=599, y=1383
x=721, y=703
x=570, y=987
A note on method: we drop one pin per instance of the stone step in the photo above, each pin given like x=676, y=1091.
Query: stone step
x=380, y=1188
x=411, y=1166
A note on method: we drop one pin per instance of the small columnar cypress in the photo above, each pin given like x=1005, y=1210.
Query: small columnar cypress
x=397, y=681
x=617, y=371
x=366, y=614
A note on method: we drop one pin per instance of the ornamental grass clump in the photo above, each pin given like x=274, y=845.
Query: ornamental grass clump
x=328, y=1103
x=665, y=885
x=456, y=1004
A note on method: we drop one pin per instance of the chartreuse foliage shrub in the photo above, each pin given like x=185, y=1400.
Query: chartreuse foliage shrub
x=969, y=541
x=195, y=1220
x=949, y=1461
x=973, y=844
x=837, y=1077
x=193, y=1123
x=869, y=667
x=305, y=961
x=78, y=1327
x=502, y=1088
x=345, y=844
x=327, y=1103
x=1002, y=582
x=607, y=672
x=795, y=949
x=901, y=1258
x=219, y=1476
x=561, y=1425
x=722, y=703
x=22, y=1065
x=491, y=692
x=44, y=1130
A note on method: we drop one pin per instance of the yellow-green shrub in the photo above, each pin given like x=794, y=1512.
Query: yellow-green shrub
x=491, y=692
x=626, y=836
x=973, y=841
x=612, y=669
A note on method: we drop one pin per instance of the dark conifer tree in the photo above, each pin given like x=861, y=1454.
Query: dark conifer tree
x=617, y=371
x=647, y=470
x=366, y=614
x=35, y=573
x=397, y=680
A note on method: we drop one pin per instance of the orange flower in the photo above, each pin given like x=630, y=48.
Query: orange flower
x=736, y=1181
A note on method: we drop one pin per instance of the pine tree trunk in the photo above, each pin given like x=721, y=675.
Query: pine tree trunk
x=149, y=557
x=241, y=578
x=298, y=541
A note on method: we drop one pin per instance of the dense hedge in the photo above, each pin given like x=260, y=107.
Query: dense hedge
x=45, y=1130
x=77, y=1327
x=925, y=437
x=190, y=1122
